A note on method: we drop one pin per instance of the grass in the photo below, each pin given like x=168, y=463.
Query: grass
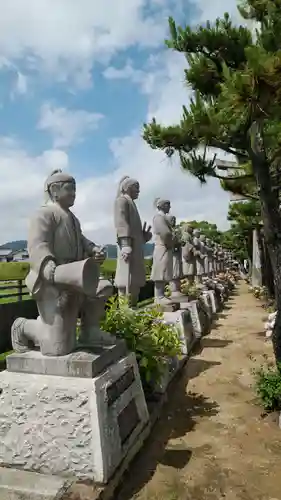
x=15, y=271
x=10, y=271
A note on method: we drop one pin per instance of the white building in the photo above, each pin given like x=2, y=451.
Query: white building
x=6, y=255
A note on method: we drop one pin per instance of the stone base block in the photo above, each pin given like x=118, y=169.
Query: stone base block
x=212, y=297
x=208, y=305
x=71, y=426
x=193, y=307
x=182, y=320
x=173, y=365
x=21, y=485
x=85, y=363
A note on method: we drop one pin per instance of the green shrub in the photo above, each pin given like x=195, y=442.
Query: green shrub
x=145, y=334
x=268, y=387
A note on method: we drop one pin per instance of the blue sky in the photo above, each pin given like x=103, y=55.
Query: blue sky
x=77, y=81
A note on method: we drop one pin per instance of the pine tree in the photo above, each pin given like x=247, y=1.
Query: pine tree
x=235, y=76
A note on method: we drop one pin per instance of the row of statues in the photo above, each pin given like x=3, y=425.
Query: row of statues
x=178, y=252
x=64, y=276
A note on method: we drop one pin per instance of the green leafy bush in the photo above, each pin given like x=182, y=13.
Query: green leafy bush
x=268, y=387
x=190, y=289
x=145, y=334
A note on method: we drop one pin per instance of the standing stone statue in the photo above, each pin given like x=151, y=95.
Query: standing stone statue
x=162, y=267
x=188, y=253
x=63, y=277
x=175, y=284
x=209, y=267
x=131, y=236
x=216, y=262
x=204, y=253
x=199, y=256
x=220, y=259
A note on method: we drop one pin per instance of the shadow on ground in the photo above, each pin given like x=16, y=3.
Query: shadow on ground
x=179, y=416
x=215, y=343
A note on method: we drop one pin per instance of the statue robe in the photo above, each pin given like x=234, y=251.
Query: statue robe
x=200, y=269
x=131, y=274
x=188, y=256
x=177, y=254
x=54, y=234
x=162, y=267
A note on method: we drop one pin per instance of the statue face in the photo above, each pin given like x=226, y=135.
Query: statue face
x=166, y=207
x=64, y=194
x=134, y=191
x=173, y=221
x=202, y=237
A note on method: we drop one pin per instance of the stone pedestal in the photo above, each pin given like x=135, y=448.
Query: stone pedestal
x=207, y=302
x=193, y=307
x=182, y=320
x=74, y=416
x=212, y=297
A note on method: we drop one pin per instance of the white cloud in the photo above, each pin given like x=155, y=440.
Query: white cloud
x=21, y=83
x=22, y=182
x=65, y=37
x=65, y=125
x=162, y=81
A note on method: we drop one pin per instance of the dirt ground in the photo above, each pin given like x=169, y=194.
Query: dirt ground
x=211, y=442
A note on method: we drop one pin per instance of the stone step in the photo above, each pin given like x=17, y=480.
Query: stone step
x=22, y=485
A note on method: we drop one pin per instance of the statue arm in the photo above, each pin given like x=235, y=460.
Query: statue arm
x=41, y=238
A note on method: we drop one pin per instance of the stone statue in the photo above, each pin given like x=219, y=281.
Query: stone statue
x=175, y=284
x=209, y=248
x=63, y=277
x=220, y=259
x=199, y=256
x=188, y=253
x=162, y=267
x=215, y=259
x=131, y=236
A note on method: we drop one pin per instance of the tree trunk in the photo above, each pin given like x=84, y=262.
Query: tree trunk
x=271, y=224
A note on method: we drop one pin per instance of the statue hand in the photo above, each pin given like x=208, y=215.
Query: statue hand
x=147, y=236
x=49, y=271
x=126, y=253
x=99, y=254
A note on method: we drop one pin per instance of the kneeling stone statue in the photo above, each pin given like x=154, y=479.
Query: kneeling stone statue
x=63, y=277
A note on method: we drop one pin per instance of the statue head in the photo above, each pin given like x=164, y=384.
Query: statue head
x=202, y=237
x=60, y=187
x=208, y=241
x=172, y=220
x=163, y=205
x=196, y=233
x=187, y=228
x=129, y=186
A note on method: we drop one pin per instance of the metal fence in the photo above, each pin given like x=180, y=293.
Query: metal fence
x=12, y=290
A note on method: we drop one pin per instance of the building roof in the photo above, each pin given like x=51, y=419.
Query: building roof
x=5, y=252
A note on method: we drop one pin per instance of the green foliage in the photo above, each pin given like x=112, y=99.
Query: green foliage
x=235, y=79
x=190, y=289
x=268, y=387
x=145, y=334
x=210, y=230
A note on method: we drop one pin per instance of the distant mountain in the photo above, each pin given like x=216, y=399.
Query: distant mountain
x=111, y=249
x=14, y=245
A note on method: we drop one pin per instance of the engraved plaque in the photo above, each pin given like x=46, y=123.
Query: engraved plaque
x=119, y=386
x=188, y=326
x=128, y=419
